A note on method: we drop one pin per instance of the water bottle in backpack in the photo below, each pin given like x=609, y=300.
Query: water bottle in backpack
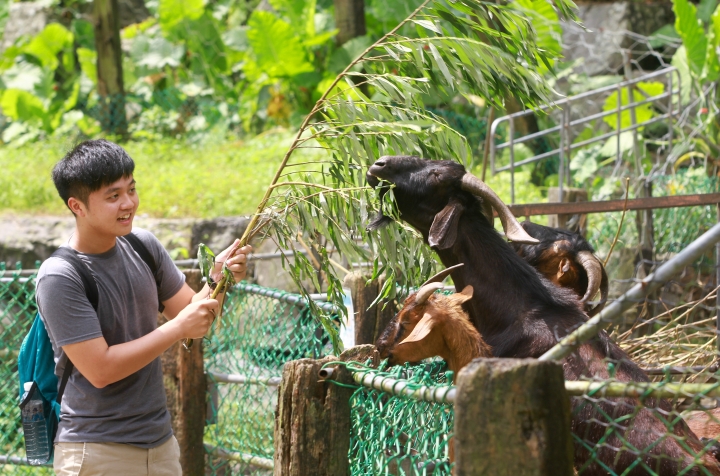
x=37, y=444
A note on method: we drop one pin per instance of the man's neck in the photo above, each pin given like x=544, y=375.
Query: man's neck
x=88, y=240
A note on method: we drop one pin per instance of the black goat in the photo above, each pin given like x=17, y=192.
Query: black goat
x=519, y=314
x=567, y=260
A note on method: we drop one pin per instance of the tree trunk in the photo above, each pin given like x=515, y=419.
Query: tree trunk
x=109, y=67
x=349, y=19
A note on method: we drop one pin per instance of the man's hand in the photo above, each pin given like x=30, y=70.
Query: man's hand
x=195, y=320
x=235, y=258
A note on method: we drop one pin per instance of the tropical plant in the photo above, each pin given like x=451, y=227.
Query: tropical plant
x=376, y=106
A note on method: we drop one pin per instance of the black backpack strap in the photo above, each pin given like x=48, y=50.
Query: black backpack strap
x=91, y=289
x=149, y=260
x=64, y=379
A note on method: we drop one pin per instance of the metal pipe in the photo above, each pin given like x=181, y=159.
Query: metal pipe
x=512, y=162
x=642, y=389
x=717, y=283
x=244, y=379
x=259, y=461
x=650, y=284
x=581, y=144
x=392, y=386
x=561, y=167
x=326, y=373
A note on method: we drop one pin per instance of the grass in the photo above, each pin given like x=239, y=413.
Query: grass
x=175, y=179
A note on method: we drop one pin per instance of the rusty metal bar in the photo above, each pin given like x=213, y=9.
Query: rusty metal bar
x=676, y=201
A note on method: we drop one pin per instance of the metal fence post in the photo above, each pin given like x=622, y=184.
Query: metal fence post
x=512, y=418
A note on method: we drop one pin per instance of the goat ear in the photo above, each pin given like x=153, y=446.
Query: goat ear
x=421, y=331
x=443, y=231
x=466, y=294
x=563, y=267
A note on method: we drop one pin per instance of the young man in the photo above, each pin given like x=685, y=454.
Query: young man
x=114, y=417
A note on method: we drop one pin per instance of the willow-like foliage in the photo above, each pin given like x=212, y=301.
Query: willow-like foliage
x=376, y=107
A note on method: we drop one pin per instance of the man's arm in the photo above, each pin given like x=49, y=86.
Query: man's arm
x=102, y=364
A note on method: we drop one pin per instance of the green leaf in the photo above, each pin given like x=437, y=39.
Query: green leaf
x=206, y=260
x=711, y=72
x=88, y=63
x=173, y=12
x=705, y=9
x=679, y=60
x=642, y=113
x=692, y=33
x=23, y=106
x=546, y=24
x=47, y=44
x=584, y=163
x=277, y=50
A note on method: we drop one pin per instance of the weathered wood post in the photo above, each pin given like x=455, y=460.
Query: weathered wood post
x=512, y=418
x=312, y=423
x=184, y=379
x=369, y=320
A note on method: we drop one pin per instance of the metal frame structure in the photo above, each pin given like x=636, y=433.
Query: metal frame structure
x=664, y=102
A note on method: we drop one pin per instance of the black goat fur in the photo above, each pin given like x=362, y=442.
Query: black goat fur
x=521, y=314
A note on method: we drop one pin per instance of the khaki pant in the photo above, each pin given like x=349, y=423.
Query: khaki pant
x=91, y=459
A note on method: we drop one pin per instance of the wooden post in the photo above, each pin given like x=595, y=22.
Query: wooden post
x=512, y=418
x=184, y=379
x=566, y=221
x=312, y=423
x=109, y=66
x=370, y=321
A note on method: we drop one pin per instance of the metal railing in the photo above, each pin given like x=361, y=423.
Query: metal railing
x=560, y=137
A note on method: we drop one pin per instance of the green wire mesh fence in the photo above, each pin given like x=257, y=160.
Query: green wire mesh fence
x=17, y=311
x=261, y=330
x=395, y=432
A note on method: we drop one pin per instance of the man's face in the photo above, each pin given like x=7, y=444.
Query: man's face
x=111, y=209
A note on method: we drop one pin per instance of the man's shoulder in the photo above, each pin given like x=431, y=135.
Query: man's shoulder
x=56, y=265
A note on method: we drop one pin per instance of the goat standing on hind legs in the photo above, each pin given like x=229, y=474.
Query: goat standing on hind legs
x=519, y=313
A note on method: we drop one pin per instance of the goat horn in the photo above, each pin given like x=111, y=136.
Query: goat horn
x=513, y=230
x=426, y=291
x=438, y=278
x=597, y=280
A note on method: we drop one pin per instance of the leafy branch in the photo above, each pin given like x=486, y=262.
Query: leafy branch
x=375, y=107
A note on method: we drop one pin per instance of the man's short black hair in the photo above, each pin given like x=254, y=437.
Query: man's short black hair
x=88, y=167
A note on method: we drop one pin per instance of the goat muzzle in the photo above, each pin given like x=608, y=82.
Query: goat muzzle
x=513, y=230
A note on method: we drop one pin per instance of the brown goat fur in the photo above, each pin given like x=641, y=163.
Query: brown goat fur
x=437, y=327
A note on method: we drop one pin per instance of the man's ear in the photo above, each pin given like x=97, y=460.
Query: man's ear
x=443, y=231
x=77, y=207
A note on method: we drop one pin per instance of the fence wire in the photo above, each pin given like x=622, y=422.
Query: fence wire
x=261, y=330
x=17, y=311
x=400, y=435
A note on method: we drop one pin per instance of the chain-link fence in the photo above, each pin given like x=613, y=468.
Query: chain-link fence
x=261, y=330
x=17, y=311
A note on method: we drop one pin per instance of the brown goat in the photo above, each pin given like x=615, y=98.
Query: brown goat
x=434, y=326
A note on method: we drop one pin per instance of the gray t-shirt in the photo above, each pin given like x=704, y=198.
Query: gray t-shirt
x=132, y=410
